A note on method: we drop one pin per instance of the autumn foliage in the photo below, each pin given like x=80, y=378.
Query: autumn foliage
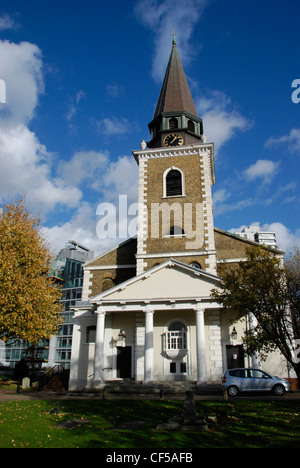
x=29, y=298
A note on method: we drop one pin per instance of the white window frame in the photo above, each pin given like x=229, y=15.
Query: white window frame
x=165, y=183
x=176, y=340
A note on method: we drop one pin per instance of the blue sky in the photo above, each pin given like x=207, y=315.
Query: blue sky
x=82, y=81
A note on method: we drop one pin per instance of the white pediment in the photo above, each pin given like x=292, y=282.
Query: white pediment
x=171, y=279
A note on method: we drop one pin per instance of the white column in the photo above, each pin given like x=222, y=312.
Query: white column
x=52, y=351
x=148, y=362
x=139, y=345
x=73, y=381
x=201, y=346
x=99, y=348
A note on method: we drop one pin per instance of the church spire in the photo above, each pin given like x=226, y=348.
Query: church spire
x=175, y=93
x=175, y=107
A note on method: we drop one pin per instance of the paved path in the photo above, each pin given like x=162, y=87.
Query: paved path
x=11, y=395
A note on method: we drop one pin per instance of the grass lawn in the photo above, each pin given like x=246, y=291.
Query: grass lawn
x=248, y=424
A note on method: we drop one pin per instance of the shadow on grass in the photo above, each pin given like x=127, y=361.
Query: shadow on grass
x=246, y=424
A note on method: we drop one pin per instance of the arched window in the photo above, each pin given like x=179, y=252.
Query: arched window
x=177, y=336
x=174, y=184
x=191, y=126
x=107, y=283
x=196, y=265
x=173, y=123
x=175, y=231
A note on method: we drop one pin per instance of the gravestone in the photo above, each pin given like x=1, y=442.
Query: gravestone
x=189, y=408
x=188, y=420
x=25, y=383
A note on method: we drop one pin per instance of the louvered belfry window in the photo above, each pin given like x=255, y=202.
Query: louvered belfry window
x=173, y=183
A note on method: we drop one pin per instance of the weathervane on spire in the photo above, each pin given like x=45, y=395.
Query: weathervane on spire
x=174, y=38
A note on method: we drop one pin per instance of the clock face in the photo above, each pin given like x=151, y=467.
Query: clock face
x=173, y=139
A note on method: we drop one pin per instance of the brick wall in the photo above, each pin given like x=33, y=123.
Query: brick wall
x=117, y=265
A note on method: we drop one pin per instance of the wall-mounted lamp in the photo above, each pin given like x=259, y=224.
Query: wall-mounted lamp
x=121, y=336
x=233, y=334
x=119, y=341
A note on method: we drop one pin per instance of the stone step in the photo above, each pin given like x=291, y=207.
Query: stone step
x=156, y=388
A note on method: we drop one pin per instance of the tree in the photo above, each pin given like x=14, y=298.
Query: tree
x=262, y=288
x=29, y=299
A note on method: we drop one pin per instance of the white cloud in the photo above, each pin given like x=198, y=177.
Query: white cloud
x=73, y=105
x=26, y=170
x=29, y=169
x=7, y=22
x=81, y=227
x=163, y=18
x=292, y=140
x=220, y=126
x=26, y=165
x=112, y=179
x=262, y=169
x=83, y=166
x=119, y=178
x=223, y=204
x=113, y=127
x=221, y=119
x=286, y=239
x=114, y=90
x=281, y=195
x=21, y=69
x=220, y=196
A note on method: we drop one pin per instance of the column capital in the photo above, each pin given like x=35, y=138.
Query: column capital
x=100, y=310
x=199, y=308
x=149, y=309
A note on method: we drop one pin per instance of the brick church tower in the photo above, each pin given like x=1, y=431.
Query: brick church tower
x=176, y=172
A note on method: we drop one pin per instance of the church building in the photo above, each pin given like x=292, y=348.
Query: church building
x=146, y=312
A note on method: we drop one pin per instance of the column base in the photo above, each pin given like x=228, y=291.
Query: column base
x=98, y=384
x=73, y=385
x=148, y=382
x=201, y=383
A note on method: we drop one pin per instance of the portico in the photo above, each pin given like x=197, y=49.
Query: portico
x=169, y=334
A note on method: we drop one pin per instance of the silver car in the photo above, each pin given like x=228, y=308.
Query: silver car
x=253, y=380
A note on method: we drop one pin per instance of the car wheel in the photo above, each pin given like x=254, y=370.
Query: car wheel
x=279, y=390
x=232, y=391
